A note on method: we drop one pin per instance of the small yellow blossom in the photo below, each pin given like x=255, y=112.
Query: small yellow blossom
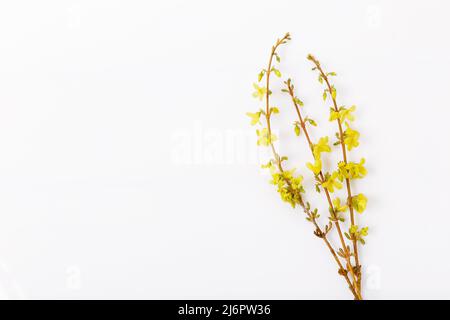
x=260, y=92
x=254, y=117
x=357, y=170
x=321, y=146
x=343, y=114
x=289, y=187
x=352, y=170
x=334, y=115
x=331, y=182
x=357, y=234
x=353, y=229
x=338, y=206
x=359, y=202
x=316, y=167
x=277, y=179
x=296, y=183
x=264, y=139
x=351, y=137
x=343, y=172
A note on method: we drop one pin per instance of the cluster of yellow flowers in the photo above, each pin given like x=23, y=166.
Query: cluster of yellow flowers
x=342, y=114
x=351, y=136
x=352, y=170
x=288, y=186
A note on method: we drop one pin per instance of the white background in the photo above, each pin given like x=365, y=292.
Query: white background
x=127, y=164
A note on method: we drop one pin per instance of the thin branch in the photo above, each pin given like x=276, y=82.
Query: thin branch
x=344, y=154
x=322, y=178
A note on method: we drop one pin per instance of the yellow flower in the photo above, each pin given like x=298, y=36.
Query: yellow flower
x=342, y=114
x=288, y=196
x=334, y=115
x=321, y=146
x=296, y=183
x=260, y=92
x=331, y=182
x=343, y=172
x=351, y=137
x=289, y=187
x=254, y=117
x=359, y=202
x=357, y=234
x=316, y=168
x=357, y=170
x=352, y=170
x=277, y=179
x=288, y=174
x=264, y=139
x=338, y=207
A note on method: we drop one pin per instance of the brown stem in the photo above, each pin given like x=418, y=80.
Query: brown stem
x=342, y=270
x=322, y=178
x=347, y=180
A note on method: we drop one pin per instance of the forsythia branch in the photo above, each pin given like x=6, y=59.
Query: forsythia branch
x=290, y=185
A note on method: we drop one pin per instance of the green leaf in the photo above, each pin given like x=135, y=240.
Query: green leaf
x=297, y=130
x=331, y=74
x=277, y=57
x=277, y=72
x=324, y=96
x=365, y=231
x=298, y=101
x=320, y=79
x=268, y=165
x=261, y=75
x=311, y=122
